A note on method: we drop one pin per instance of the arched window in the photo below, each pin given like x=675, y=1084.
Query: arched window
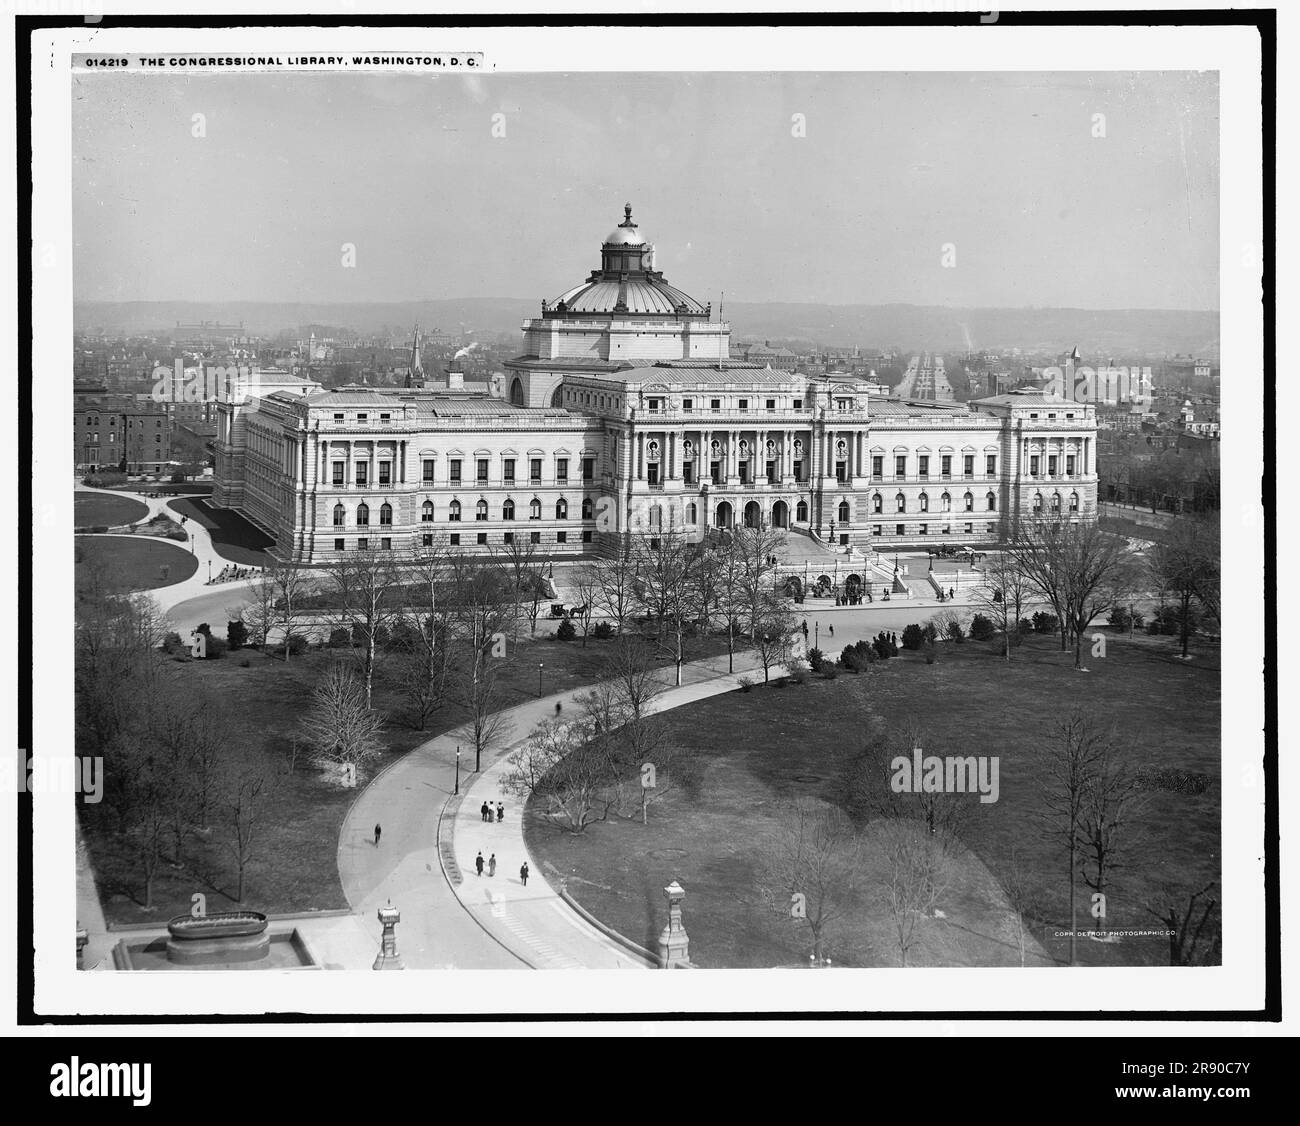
x=801, y=511
x=1038, y=503
x=340, y=516
x=970, y=502
x=877, y=503
x=900, y=503
x=1056, y=502
x=587, y=508
x=453, y=512
x=844, y=512
x=561, y=509
x=945, y=503
x=363, y=514
x=1074, y=502
x=534, y=509
x=992, y=502
x=386, y=514
x=480, y=510
x=690, y=513
x=426, y=510
x=925, y=502
x=508, y=510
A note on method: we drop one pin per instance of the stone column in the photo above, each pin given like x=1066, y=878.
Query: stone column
x=388, y=958
x=640, y=456
x=674, y=945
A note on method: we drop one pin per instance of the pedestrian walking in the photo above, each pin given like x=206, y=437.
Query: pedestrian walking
x=557, y=707
x=483, y=811
x=378, y=830
x=832, y=629
x=952, y=592
x=805, y=629
x=492, y=865
x=478, y=864
x=501, y=812
x=523, y=873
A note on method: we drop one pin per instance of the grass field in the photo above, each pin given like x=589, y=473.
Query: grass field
x=756, y=751
x=233, y=537
x=93, y=509
x=134, y=563
x=295, y=868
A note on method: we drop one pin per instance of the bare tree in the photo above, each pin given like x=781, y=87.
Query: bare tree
x=367, y=588
x=341, y=728
x=483, y=608
x=259, y=611
x=1193, y=921
x=669, y=567
x=1074, y=750
x=293, y=589
x=1019, y=895
x=566, y=773
x=615, y=578
x=587, y=587
x=757, y=549
x=809, y=867
x=1186, y=564
x=774, y=633
x=917, y=873
x=518, y=559
x=726, y=590
x=1110, y=806
x=245, y=808
x=422, y=633
x=1003, y=596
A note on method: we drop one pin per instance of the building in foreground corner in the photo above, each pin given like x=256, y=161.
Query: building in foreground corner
x=626, y=410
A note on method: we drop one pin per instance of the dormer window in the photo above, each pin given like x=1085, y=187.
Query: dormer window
x=362, y=416
x=653, y=404
x=338, y=416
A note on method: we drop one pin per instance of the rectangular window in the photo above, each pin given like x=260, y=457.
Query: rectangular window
x=923, y=466
x=877, y=529
x=534, y=537
x=455, y=539
x=385, y=472
x=715, y=472
x=900, y=465
x=1051, y=465
x=1069, y=465
x=588, y=468
x=481, y=470
x=715, y=404
x=970, y=529
x=386, y=544
x=561, y=470
x=771, y=404
x=841, y=471
x=535, y=470
x=427, y=539
x=877, y=466
x=652, y=405
x=968, y=465
x=771, y=472
x=1033, y=465
x=898, y=529
x=688, y=404
x=362, y=416
x=945, y=466
x=798, y=471
x=652, y=473
x=744, y=472
x=482, y=538
x=338, y=416
x=363, y=544
x=338, y=473
x=428, y=471
x=561, y=537
x=454, y=472
x=363, y=472
x=923, y=528
x=990, y=465
x=586, y=536
x=385, y=417
x=508, y=471
x=338, y=545
x=744, y=404
x=509, y=538
x=688, y=472
x=798, y=404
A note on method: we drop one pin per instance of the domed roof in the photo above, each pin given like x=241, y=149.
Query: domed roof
x=623, y=236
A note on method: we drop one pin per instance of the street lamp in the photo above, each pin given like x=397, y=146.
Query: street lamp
x=539, y=679
x=457, y=788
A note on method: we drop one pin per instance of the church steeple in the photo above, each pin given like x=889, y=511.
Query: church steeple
x=416, y=369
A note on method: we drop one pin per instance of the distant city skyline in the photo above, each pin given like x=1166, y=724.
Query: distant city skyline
x=897, y=173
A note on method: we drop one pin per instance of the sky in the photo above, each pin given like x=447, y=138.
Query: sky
x=968, y=189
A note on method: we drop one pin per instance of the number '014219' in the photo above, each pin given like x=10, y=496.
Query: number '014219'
x=107, y=62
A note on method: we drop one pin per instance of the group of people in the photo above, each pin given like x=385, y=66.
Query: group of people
x=486, y=812
x=230, y=573
x=491, y=865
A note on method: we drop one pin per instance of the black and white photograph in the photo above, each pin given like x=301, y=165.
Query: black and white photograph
x=749, y=499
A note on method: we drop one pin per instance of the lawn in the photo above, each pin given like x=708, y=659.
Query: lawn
x=95, y=509
x=233, y=537
x=261, y=706
x=136, y=563
x=758, y=750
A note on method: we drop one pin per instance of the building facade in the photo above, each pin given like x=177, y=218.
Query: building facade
x=625, y=411
x=116, y=432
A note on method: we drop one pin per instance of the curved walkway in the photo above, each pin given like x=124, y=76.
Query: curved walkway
x=424, y=863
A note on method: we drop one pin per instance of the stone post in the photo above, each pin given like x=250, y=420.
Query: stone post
x=388, y=958
x=673, y=941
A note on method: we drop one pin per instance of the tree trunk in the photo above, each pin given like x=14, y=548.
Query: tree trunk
x=1073, y=912
x=1183, y=626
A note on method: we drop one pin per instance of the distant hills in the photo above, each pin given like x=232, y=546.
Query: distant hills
x=933, y=327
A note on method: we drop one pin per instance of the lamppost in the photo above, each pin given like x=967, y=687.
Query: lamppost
x=209, y=570
x=832, y=533
x=457, y=788
x=539, y=679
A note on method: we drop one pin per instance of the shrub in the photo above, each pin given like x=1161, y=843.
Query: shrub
x=930, y=652
x=981, y=628
x=214, y=647
x=340, y=638
x=828, y=670
x=855, y=657
x=236, y=635
x=1025, y=626
x=297, y=645
x=603, y=631
x=172, y=644
x=799, y=672
x=815, y=658
x=565, y=632
x=1044, y=622
x=913, y=636
x=105, y=479
x=746, y=683
x=178, y=478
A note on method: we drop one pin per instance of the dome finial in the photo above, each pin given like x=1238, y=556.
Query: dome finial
x=627, y=216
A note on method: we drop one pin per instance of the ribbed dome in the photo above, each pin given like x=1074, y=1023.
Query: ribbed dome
x=625, y=236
